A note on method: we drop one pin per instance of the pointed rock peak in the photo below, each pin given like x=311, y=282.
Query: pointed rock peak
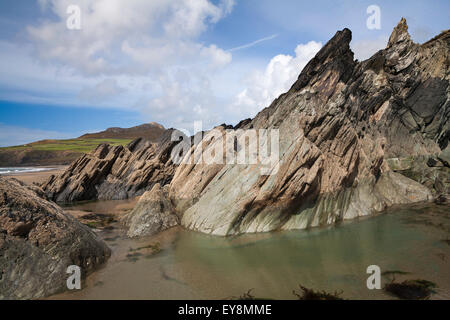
x=400, y=33
x=339, y=44
x=336, y=51
x=336, y=47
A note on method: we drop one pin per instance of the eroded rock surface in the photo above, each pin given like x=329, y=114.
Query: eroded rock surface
x=337, y=125
x=152, y=214
x=38, y=241
x=432, y=172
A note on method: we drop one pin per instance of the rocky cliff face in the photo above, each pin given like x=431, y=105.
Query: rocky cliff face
x=338, y=124
x=38, y=241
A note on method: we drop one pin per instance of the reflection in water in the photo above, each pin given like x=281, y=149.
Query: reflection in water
x=196, y=266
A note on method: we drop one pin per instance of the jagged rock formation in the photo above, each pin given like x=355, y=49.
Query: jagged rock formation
x=115, y=172
x=38, y=241
x=337, y=124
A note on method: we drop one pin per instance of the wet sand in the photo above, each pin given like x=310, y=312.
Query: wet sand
x=190, y=265
x=37, y=177
x=103, y=216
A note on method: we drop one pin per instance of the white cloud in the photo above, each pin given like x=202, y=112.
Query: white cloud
x=139, y=54
x=217, y=56
x=186, y=96
x=104, y=90
x=264, y=86
x=190, y=17
x=14, y=136
x=146, y=56
x=135, y=36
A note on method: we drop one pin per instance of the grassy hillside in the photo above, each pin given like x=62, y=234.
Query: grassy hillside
x=151, y=131
x=75, y=145
x=52, y=152
x=60, y=152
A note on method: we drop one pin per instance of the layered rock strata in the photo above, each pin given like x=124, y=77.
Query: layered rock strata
x=337, y=125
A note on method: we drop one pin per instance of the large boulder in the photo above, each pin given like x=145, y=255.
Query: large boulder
x=432, y=172
x=152, y=214
x=38, y=241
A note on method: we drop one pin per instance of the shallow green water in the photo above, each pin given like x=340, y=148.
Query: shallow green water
x=198, y=266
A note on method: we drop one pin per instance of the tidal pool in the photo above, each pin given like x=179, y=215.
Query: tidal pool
x=190, y=265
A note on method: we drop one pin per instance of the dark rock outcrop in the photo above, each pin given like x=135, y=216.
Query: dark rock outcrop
x=38, y=241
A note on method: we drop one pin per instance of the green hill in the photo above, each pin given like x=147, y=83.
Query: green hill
x=61, y=152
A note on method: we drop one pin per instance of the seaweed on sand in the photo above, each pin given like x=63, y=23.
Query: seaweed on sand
x=98, y=220
x=246, y=296
x=411, y=289
x=156, y=247
x=135, y=253
x=311, y=294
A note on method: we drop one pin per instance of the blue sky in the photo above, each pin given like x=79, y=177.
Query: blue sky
x=171, y=61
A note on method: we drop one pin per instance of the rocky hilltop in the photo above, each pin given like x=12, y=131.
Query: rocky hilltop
x=38, y=241
x=64, y=152
x=151, y=131
x=354, y=138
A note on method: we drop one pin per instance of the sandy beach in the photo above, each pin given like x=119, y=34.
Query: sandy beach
x=39, y=176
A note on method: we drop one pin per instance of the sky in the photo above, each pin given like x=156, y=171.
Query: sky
x=172, y=61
